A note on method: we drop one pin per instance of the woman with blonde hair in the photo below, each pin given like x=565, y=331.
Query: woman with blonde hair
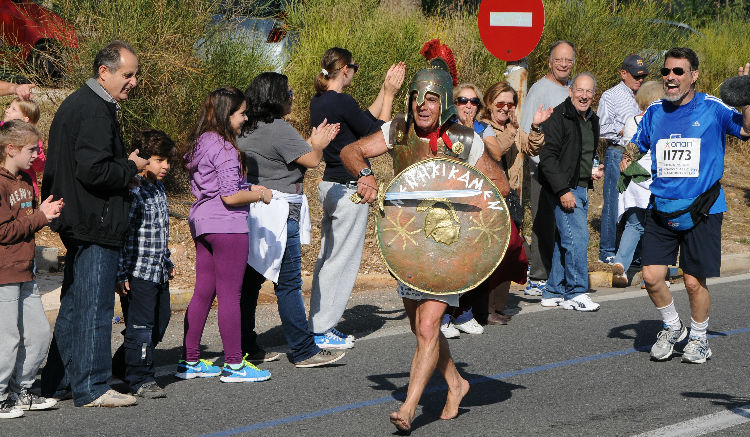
x=499, y=112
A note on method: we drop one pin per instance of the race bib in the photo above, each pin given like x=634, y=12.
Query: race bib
x=678, y=157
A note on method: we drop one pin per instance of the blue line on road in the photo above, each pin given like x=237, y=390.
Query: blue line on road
x=439, y=388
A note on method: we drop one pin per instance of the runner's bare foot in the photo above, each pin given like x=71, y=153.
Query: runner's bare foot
x=454, y=400
x=399, y=420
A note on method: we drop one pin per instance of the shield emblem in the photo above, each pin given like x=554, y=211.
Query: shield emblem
x=443, y=226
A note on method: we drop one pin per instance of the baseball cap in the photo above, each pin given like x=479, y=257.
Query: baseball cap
x=635, y=65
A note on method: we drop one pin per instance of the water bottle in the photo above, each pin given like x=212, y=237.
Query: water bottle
x=595, y=165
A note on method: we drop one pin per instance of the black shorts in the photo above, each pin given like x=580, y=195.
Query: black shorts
x=700, y=247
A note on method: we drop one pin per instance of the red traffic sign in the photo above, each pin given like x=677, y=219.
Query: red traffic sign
x=510, y=30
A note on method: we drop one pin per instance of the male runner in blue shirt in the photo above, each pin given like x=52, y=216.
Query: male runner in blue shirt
x=686, y=134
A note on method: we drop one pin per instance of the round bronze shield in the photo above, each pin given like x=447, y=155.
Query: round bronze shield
x=435, y=233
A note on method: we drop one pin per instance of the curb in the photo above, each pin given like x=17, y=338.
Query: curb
x=180, y=298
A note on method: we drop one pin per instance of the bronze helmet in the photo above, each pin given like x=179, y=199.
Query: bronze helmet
x=438, y=78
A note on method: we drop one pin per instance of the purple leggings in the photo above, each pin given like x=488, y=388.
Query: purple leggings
x=220, y=261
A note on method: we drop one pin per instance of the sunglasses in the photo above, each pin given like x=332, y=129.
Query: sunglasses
x=291, y=94
x=501, y=105
x=678, y=71
x=464, y=100
x=355, y=67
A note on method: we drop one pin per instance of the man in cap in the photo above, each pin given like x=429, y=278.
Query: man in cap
x=616, y=105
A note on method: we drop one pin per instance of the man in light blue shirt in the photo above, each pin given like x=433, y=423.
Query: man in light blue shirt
x=616, y=105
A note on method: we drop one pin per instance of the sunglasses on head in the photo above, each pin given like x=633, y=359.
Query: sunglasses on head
x=501, y=105
x=679, y=71
x=464, y=100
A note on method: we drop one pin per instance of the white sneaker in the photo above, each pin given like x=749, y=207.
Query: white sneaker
x=470, y=326
x=449, y=331
x=582, y=302
x=552, y=301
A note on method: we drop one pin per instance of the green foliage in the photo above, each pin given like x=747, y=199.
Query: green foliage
x=173, y=79
x=377, y=38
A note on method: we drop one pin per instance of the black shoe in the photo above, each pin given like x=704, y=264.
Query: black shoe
x=262, y=356
x=150, y=390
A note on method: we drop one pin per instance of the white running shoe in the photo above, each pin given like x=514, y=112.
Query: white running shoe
x=470, y=326
x=582, y=302
x=552, y=301
x=449, y=330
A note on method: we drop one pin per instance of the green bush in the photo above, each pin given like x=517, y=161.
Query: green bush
x=173, y=79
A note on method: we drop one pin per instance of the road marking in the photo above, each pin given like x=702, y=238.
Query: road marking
x=510, y=19
x=441, y=388
x=704, y=424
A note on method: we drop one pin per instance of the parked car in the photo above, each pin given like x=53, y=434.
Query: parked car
x=268, y=35
x=34, y=38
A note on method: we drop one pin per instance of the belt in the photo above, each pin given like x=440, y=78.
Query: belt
x=347, y=184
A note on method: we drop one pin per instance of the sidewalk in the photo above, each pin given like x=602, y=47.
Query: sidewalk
x=50, y=285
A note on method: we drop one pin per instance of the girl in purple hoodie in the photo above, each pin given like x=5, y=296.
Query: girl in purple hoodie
x=218, y=224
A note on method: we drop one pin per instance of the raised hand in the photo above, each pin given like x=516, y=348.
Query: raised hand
x=540, y=116
x=394, y=78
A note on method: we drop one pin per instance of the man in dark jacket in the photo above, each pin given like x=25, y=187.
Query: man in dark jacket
x=566, y=174
x=88, y=167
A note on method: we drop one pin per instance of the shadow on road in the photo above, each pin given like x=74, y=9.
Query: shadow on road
x=721, y=399
x=484, y=391
x=642, y=333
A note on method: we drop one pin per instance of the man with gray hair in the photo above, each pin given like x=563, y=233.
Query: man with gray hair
x=549, y=91
x=88, y=167
x=566, y=173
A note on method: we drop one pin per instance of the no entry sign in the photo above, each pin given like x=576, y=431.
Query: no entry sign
x=511, y=29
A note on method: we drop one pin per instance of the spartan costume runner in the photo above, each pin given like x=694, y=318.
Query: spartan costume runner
x=443, y=226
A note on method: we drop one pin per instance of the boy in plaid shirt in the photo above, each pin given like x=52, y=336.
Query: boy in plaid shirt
x=145, y=269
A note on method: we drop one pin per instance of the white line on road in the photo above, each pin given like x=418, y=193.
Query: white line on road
x=704, y=424
x=511, y=19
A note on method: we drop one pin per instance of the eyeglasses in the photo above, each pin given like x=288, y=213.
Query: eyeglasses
x=640, y=77
x=563, y=61
x=582, y=91
x=678, y=71
x=464, y=100
x=355, y=67
x=501, y=105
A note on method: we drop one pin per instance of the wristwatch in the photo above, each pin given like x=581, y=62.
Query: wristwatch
x=367, y=171
x=536, y=128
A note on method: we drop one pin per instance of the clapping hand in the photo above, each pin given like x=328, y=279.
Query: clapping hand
x=323, y=134
x=52, y=209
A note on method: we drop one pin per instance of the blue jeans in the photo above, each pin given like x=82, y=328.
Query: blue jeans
x=289, y=297
x=608, y=229
x=569, y=275
x=630, y=242
x=80, y=354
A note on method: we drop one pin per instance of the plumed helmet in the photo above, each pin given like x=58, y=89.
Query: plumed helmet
x=439, y=78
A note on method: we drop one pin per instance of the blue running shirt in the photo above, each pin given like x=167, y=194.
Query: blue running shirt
x=687, y=145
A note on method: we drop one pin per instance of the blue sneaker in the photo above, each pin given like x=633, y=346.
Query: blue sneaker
x=201, y=369
x=247, y=373
x=534, y=288
x=329, y=340
x=349, y=338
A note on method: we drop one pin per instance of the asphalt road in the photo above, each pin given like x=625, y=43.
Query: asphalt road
x=549, y=372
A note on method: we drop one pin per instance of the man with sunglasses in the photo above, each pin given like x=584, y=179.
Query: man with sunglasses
x=616, y=105
x=686, y=134
x=549, y=91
